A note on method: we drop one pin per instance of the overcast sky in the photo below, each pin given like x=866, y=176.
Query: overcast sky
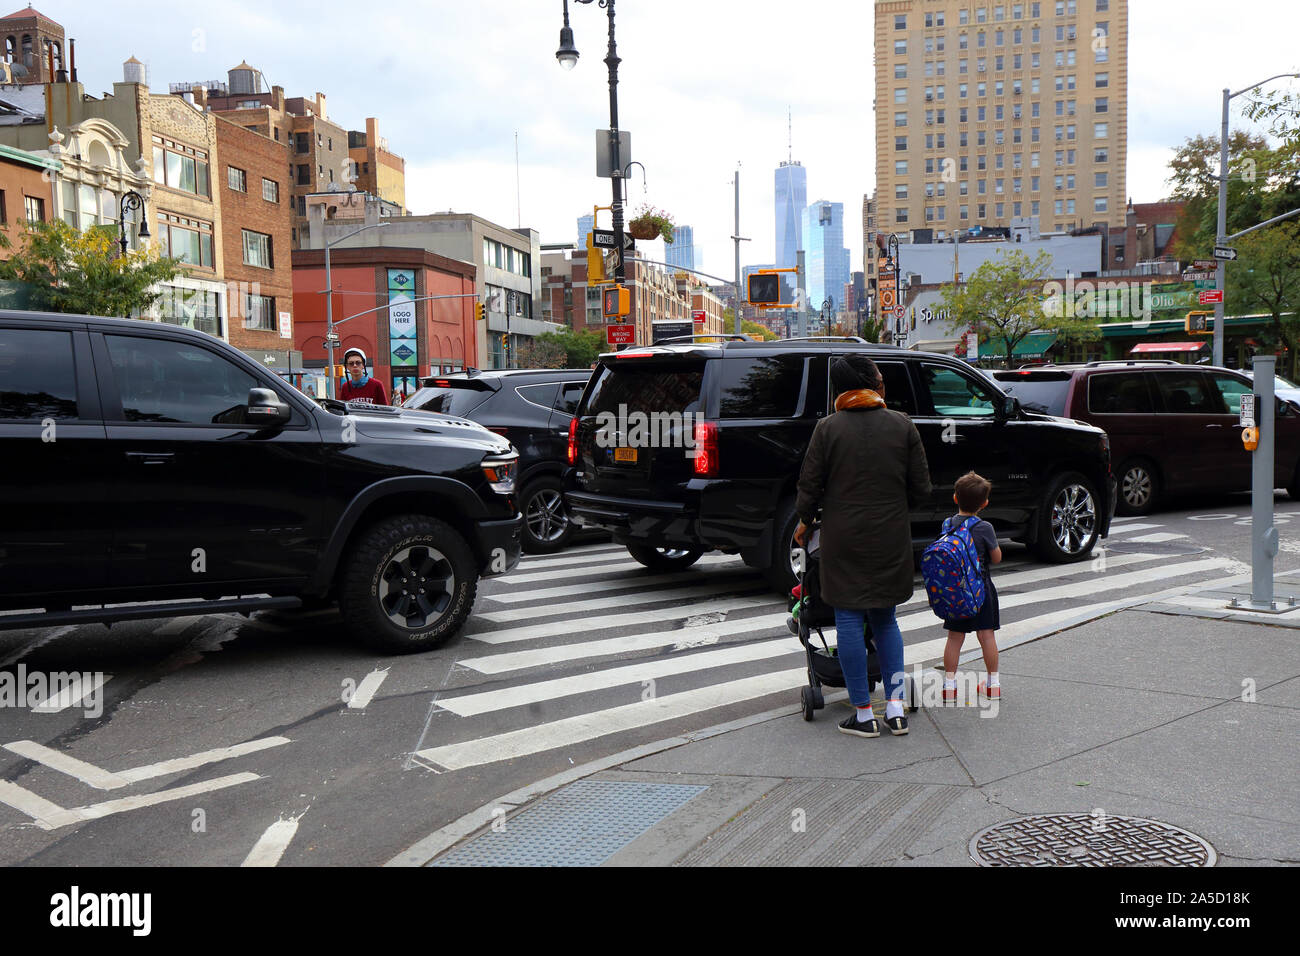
x=704, y=86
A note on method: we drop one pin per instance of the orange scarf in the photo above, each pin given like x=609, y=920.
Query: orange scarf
x=859, y=398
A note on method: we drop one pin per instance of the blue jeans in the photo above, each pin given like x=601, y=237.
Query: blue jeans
x=850, y=631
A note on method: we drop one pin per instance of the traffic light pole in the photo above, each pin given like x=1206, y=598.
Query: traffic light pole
x=801, y=295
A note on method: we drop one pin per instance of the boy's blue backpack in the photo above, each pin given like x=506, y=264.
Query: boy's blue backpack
x=950, y=568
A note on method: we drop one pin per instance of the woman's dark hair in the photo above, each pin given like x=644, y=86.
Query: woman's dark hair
x=854, y=371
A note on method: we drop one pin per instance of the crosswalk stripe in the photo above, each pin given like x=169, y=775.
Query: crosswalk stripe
x=573, y=556
x=556, y=575
x=1125, y=529
x=709, y=633
x=74, y=694
x=469, y=705
x=569, y=608
x=567, y=627
x=1155, y=538
x=613, y=584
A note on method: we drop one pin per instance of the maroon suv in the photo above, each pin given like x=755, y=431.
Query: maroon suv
x=1173, y=428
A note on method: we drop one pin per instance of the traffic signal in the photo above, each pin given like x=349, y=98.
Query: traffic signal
x=1198, y=323
x=338, y=371
x=764, y=288
x=616, y=302
x=505, y=341
x=595, y=262
x=480, y=311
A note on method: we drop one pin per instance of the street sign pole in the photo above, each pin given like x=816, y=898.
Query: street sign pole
x=1222, y=229
x=1263, y=535
x=801, y=295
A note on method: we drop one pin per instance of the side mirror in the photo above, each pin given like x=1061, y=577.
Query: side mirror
x=1008, y=407
x=265, y=410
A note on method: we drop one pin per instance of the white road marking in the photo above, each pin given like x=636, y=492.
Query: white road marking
x=703, y=592
x=36, y=642
x=103, y=779
x=600, y=565
x=573, y=556
x=72, y=695
x=272, y=844
x=1155, y=538
x=1213, y=517
x=87, y=773
x=175, y=626
x=470, y=705
x=366, y=689
x=542, y=592
x=50, y=816
x=566, y=626
x=1134, y=527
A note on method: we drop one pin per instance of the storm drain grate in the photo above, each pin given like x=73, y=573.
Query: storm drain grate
x=1088, y=839
x=582, y=825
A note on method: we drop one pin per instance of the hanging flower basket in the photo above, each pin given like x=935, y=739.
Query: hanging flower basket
x=650, y=223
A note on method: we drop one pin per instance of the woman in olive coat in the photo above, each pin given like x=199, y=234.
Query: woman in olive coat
x=864, y=469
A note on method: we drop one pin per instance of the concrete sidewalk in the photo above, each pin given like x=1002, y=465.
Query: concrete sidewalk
x=1185, y=720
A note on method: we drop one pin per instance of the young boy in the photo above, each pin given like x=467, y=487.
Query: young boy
x=971, y=493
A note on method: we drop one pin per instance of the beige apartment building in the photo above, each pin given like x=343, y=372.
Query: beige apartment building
x=990, y=111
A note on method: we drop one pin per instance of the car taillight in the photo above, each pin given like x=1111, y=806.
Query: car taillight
x=442, y=383
x=706, y=449
x=573, y=441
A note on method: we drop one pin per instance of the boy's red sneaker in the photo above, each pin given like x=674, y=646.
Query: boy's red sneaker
x=989, y=693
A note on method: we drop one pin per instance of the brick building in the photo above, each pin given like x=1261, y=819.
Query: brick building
x=255, y=234
x=24, y=191
x=374, y=169
x=31, y=40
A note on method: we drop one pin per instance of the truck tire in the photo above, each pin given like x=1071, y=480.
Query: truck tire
x=547, y=525
x=408, y=585
x=1068, y=519
x=664, y=559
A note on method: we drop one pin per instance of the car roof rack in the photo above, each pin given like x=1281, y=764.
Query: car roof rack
x=826, y=338
x=1099, y=362
x=729, y=336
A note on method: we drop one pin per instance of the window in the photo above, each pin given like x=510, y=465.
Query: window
x=999, y=37
x=963, y=138
x=34, y=208
x=1185, y=393
x=961, y=91
x=1101, y=156
x=900, y=47
x=955, y=394
x=259, y=313
x=900, y=119
x=1099, y=180
x=900, y=191
x=37, y=375
x=981, y=15
x=979, y=39
x=900, y=95
x=1033, y=184
x=1102, y=105
x=180, y=167
x=1103, y=80
x=1231, y=389
x=981, y=162
x=1099, y=130
x=962, y=66
x=167, y=381
x=1099, y=204
x=304, y=175
x=302, y=205
x=257, y=249
x=900, y=167
x=900, y=71
x=270, y=190
x=1036, y=35
x=900, y=21
x=963, y=212
x=963, y=17
x=189, y=240
x=900, y=143
x=303, y=142
x=900, y=215
x=1017, y=37
x=237, y=179
x=999, y=13
x=1070, y=131
x=761, y=387
x=1103, y=5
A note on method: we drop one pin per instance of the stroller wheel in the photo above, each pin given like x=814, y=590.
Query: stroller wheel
x=809, y=706
x=819, y=701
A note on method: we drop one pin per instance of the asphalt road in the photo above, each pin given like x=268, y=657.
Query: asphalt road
x=222, y=740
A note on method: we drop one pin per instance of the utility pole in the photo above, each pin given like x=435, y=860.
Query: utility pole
x=801, y=295
x=738, y=239
x=1221, y=230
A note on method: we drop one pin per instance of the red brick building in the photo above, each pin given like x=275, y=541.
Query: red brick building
x=24, y=191
x=256, y=239
x=445, y=331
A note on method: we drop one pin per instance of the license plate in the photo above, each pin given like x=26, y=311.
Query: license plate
x=625, y=454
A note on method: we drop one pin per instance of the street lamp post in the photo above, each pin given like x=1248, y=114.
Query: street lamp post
x=892, y=261
x=567, y=54
x=1220, y=234
x=131, y=200
x=329, y=304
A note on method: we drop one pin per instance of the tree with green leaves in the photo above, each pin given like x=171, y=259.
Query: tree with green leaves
x=754, y=330
x=1004, y=301
x=84, y=272
x=572, y=349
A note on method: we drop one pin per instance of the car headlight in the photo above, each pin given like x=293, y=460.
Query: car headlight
x=500, y=473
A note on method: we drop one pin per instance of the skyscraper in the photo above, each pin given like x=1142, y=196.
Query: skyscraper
x=987, y=112
x=681, y=251
x=826, y=261
x=791, y=197
x=585, y=225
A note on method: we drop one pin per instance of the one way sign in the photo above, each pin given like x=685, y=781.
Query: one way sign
x=1225, y=252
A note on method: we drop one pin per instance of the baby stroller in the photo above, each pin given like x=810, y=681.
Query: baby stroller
x=809, y=614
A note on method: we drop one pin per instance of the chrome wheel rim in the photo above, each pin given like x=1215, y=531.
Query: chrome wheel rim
x=672, y=553
x=545, y=516
x=1137, y=486
x=1074, y=518
x=416, y=587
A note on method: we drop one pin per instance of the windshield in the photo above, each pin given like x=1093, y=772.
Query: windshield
x=448, y=401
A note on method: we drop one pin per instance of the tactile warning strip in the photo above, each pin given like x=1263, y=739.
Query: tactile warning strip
x=582, y=825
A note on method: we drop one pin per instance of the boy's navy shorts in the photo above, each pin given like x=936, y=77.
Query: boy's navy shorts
x=987, y=619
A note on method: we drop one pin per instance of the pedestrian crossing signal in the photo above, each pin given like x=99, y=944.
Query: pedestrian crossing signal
x=764, y=288
x=1198, y=323
x=616, y=302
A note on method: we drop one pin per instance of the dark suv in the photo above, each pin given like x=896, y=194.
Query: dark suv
x=757, y=404
x=532, y=408
x=1173, y=428
x=150, y=463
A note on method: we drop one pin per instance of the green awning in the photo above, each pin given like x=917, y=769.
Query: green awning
x=1032, y=346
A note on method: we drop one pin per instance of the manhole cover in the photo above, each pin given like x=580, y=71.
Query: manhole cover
x=1169, y=548
x=1088, y=839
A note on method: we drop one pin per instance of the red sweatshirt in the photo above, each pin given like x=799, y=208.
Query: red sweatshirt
x=371, y=393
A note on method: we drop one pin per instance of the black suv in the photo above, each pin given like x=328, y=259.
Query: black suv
x=151, y=463
x=752, y=408
x=532, y=408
